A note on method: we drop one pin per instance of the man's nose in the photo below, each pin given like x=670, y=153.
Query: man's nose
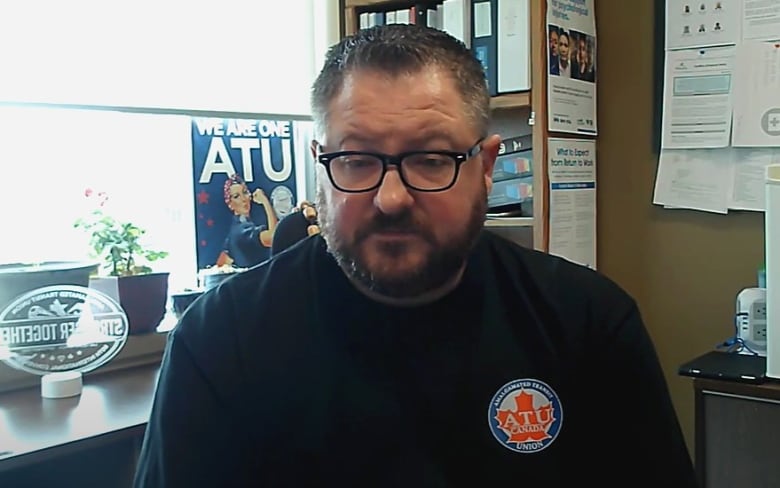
x=393, y=196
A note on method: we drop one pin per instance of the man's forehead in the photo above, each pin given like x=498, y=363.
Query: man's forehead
x=361, y=76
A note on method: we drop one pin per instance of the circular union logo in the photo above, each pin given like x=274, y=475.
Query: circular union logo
x=282, y=201
x=525, y=415
x=61, y=328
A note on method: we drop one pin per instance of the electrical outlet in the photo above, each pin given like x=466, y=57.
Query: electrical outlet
x=761, y=333
x=751, y=318
x=759, y=311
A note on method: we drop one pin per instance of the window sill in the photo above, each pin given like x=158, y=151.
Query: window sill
x=139, y=350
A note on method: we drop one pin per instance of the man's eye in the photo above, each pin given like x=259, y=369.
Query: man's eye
x=429, y=161
x=434, y=161
x=357, y=162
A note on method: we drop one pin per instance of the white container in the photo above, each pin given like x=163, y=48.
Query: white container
x=772, y=254
x=751, y=319
x=61, y=385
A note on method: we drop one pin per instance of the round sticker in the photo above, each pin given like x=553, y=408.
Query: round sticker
x=61, y=328
x=770, y=122
x=282, y=200
x=525, y=415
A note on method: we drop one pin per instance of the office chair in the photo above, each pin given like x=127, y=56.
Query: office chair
x=293, y=227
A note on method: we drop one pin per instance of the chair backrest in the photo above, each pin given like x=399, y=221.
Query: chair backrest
x=293, y=227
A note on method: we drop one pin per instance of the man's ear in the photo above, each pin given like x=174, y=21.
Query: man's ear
x=489, y=154
x=314, y=147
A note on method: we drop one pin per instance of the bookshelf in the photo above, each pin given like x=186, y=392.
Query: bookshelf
x=510, y=222
x=513, y=113
x=373, y=3
x=511, y=100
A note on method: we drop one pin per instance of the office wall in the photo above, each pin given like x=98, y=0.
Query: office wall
x=685, y=268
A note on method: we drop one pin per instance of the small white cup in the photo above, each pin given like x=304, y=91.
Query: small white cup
x=61, y=385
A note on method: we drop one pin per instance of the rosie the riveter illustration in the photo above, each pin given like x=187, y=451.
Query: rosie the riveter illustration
x=247, y=242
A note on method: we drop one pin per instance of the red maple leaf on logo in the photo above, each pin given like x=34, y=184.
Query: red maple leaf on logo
x=526, y=423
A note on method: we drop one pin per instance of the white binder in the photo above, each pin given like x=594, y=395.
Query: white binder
x=514, y=46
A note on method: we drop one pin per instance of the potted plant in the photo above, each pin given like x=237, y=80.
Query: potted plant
x=125, y=269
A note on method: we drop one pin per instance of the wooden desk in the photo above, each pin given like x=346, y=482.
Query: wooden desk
x=737, y=434
x=89, y=440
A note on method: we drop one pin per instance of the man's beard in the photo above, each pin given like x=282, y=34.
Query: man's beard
x=442, y=263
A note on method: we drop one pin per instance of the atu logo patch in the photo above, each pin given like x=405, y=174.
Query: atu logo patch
x=525, y=415
x=61, y=328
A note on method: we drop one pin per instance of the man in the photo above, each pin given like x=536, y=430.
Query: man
x=293, y=227
x=552, y=35
x=403, y=345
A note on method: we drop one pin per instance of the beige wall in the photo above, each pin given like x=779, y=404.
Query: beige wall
x=685, y=268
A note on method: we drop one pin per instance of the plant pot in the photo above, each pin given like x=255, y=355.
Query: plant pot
x=182, y=301
x=144, y=298
x=212, y=277
x=19, y=278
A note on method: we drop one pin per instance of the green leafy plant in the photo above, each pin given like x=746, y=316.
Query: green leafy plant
x=117, y=243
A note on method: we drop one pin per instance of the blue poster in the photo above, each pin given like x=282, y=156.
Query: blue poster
x=244, y=182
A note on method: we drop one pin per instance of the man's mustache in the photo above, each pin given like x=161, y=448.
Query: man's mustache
x=402, y=223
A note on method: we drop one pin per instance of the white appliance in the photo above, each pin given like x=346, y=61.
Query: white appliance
x=751, y=319
x=772, y=256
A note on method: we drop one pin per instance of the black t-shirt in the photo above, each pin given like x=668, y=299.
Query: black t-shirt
x=532, y=371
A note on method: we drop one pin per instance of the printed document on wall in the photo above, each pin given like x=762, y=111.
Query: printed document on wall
x=572, y=171
x=749, y=177
x=572, y=66
x=757, y=94
x=761, y=20
x=697, y=179
x=698, y=98
x=699, y=24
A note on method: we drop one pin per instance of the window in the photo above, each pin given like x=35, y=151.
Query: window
x=245, y=56
x=77, y=60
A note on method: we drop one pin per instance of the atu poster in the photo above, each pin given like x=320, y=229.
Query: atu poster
x=572, y=68
x=244, y=182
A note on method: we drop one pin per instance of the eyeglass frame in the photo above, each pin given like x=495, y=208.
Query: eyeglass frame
x=459, y=157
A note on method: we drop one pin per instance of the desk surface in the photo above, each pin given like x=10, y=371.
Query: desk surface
x=111, y=404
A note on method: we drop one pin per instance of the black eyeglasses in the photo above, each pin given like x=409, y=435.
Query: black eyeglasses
x=359, y=171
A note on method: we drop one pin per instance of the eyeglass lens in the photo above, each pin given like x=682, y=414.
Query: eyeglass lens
x=425, y=171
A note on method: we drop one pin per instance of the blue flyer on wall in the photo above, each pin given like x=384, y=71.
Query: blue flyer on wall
x=244, y=182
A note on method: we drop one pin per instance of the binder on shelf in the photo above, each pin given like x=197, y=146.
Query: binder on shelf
x=513, y=59
x=515, y=144
x=456, y=19
x=512, y=192
x=370, y=19
x=515, y=158
x=425, y=14
x=484, y=39
x=402, y=16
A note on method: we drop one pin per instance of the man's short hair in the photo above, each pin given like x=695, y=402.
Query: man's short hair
x=399, y=49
